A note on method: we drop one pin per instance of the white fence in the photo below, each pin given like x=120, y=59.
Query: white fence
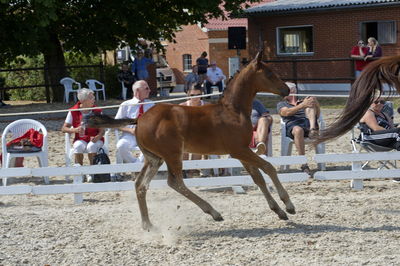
x=355, y=174
x=77, y=187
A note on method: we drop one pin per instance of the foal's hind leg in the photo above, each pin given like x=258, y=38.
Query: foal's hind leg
x=149, y=170
x=249, y=157
x=260, y=182
x=175, y=181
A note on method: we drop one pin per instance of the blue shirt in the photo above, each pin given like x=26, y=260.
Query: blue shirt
x=139, y=66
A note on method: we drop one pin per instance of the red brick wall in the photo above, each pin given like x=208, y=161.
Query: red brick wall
x=220, y=53
x=190, y=40
x=334, y=33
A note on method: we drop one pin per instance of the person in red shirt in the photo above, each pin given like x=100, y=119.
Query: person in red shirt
x=88, y=140
x=359, y=52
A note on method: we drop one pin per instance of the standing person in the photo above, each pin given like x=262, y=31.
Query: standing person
x=88, y=140
x=131, y=109
x=214, y=77
x=126, y=76
x=139, y=66
x=202, y=65
x=374, y=49
x=262, y=122
x=359, y=52
x=191, y=79
x=300, y=118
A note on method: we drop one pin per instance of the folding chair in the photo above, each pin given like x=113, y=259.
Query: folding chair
x=287, y=143
x=367, y=146
x=69, y=85
x=97, y=87
x=17, y=129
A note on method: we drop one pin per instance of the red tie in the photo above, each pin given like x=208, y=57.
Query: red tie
x=141, y=111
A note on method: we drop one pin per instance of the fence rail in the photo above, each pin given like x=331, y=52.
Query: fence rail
x=355, y=174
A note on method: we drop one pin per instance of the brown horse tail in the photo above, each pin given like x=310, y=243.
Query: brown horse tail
x=367, y=87
x=104, y=121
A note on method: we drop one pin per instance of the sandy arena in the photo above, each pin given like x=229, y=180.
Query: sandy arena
x=333, y=225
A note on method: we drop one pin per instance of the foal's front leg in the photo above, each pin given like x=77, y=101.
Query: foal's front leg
x=149, y=170
x=175, y=181
x=249, y=157
x=260, y=182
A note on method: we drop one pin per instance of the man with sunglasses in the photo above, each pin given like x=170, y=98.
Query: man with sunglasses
x=130, y=109
x=359, y=52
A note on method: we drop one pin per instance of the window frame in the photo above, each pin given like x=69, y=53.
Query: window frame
x=277, y=33
x=377, y=37
x=184, y=64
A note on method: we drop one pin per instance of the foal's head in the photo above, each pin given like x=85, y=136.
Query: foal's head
x=264, y=79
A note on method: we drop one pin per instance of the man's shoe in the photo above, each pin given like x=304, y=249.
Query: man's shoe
x=306, y=169
x=261, y=148
x=396, y=180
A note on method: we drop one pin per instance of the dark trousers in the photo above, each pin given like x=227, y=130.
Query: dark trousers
x=209, y=85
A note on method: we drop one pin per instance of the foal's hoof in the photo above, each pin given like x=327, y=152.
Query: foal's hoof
x=218, y=219
x=147, y=226
x=291, y=211
x=282, y=215
x=290, y=208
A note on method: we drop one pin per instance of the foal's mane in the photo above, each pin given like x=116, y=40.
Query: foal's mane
x=368, y=86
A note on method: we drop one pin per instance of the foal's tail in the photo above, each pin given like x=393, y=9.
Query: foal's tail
x=104, y=121
x=367, y=87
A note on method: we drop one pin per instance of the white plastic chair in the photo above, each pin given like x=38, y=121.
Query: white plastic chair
x=17, y=129
x=96, y=86
x=68, y=147
x=287, y=143
x=123, y=90
x=68, y=84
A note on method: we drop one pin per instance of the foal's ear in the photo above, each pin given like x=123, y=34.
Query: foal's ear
x=259, y=57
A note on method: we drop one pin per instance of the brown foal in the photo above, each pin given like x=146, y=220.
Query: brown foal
x=166, y=131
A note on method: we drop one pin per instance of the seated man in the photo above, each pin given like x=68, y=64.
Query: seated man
x=214, y=78
x=88, y=140
x=262, y=121
x=191, y=79
x=300, y=117
x=126, y=76
x=130, y=109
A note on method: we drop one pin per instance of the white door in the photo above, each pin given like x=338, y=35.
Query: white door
x=234, y=65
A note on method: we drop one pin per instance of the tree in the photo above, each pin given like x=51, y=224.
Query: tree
x=49, y=27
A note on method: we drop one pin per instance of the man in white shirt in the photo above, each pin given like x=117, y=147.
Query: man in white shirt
x=130, y=109
x=214, y=78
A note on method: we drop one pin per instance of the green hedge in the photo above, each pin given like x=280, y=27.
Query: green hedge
x=35, y=77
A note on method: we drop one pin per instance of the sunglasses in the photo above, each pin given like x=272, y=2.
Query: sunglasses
x=379, y=101
x=194, y=94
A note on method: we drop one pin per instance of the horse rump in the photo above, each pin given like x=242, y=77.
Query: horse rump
x=104, y=121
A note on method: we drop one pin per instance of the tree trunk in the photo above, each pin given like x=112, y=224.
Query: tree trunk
x=55, y=64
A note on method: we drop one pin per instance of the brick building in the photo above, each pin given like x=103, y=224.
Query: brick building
x=192, y=40
x=309, y=29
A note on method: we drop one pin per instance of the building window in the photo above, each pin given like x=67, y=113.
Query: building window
x=383, y=31
x=295, y=40
x=187, y=62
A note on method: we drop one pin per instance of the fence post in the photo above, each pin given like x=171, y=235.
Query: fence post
x=46, y=82
x=356, y=184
